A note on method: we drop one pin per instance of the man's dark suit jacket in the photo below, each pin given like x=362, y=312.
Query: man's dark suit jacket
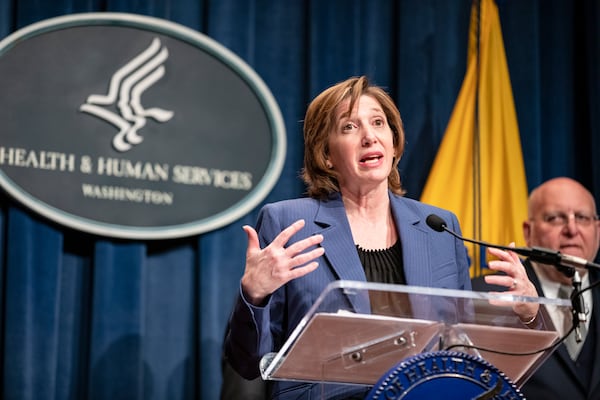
x=560, y=378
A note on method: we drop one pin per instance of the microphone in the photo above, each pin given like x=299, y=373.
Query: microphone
x=563, y=262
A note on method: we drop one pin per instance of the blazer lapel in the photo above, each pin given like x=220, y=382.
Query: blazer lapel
x=340, y=250
x=415, y=244
x=339, y=246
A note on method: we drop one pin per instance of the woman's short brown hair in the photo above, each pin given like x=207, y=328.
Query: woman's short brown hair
x=320, y=120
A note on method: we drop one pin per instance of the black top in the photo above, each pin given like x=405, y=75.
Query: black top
x=384, y=265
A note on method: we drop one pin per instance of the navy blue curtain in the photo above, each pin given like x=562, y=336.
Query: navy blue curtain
x=83, y=316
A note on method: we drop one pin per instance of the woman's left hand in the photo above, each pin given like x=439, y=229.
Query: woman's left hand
x=515, y=280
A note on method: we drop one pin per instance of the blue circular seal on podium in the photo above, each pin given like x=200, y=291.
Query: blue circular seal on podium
x=453, y=375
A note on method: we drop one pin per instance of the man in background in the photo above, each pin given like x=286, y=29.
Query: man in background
x=563, y=217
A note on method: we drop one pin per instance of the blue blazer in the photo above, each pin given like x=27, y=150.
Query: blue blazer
x=430, y=258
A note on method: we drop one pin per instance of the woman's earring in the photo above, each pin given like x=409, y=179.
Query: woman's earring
x=329, y=164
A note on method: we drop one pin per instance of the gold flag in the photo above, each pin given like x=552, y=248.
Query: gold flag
x=478, y=172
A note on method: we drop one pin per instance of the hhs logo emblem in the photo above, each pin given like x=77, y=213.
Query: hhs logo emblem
x=168, y=134
x=125, y=91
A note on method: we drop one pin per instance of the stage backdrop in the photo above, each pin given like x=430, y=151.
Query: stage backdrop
x=85, y=316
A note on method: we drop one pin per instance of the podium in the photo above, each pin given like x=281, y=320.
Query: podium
x=357, y=341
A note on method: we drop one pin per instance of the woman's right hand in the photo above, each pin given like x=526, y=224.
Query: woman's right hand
x=272, y=267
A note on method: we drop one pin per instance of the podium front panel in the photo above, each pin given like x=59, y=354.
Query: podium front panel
x=357, y=331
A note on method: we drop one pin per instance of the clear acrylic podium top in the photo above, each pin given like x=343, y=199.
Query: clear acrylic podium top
x=358, y=340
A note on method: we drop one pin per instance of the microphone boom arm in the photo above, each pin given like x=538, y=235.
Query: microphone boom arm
x=563, y=262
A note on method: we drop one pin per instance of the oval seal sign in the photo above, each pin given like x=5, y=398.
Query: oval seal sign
x=449, y=375
x=134, y=127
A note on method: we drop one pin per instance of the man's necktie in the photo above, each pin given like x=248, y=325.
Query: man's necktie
x=573, y=347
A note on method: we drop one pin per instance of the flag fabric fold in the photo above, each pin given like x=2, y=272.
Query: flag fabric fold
x=478, y=172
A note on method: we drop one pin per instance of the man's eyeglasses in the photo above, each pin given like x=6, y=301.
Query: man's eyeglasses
x=562, y=219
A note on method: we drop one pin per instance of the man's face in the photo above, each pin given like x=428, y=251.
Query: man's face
x=562, y=217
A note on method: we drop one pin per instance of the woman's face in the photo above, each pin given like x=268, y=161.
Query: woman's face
x=361, y=146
